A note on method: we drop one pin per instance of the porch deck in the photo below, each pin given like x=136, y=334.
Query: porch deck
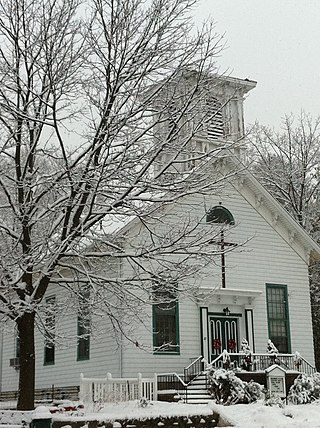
x=247, y=367
x=256, y=362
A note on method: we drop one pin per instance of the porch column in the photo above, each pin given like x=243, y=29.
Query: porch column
x=204, y=333
x=249, y=328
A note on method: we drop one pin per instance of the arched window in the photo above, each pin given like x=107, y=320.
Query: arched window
x=222, y=216
x=219, y=214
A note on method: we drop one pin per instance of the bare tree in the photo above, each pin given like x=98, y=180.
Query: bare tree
x=288, y=164
x=98, y=104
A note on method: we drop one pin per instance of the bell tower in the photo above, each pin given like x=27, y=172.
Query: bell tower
x=201, y=116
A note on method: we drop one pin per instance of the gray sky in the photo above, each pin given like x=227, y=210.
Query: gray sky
x=276, y=43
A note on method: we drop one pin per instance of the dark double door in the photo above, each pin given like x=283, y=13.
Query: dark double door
x=223, y=335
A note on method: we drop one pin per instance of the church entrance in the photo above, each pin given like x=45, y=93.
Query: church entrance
x=223, y=334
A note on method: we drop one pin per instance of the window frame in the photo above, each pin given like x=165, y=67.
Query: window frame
x=229, y=219
x=157, y=306
x=84, y=327
x=83, y=339
x=286, y=319
x=49, y=342
x=16, y=344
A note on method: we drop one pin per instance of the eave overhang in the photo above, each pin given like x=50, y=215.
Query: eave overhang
x=272, y=211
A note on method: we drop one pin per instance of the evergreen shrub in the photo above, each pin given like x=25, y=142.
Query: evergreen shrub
x=305, y=389
x=226, y=388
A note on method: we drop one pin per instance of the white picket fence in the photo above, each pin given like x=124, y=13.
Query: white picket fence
x=111, y=389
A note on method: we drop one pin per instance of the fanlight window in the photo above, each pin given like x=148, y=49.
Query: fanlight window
x=220, y=215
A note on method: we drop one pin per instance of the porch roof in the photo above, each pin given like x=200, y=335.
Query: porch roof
x=230, y=296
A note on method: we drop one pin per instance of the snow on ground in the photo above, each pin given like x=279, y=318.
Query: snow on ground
x=259, y=416
x=255, y=415
x=132, y=410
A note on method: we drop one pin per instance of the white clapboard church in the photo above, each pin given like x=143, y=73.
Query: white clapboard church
x=257, y=290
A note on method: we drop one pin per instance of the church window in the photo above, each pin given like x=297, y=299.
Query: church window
x=165, y=313
x=219, y=214
x=49, y=345
x=84, y=326
x=17, y=344
x=278, y=316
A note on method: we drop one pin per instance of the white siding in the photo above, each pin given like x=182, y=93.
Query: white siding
x=267, y=258
x=261, y=257
x=135, y=360
x=66, y=369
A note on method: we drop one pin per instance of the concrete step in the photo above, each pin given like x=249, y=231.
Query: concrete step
x=198, y=380
x=197, y=396
x=197, y=391
x=201, y=398
x=197, y=386
x=192, y=401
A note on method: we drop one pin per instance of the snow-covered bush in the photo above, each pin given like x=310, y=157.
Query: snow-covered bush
x=226, y=360
x=305, y=389
x=253, y=390
x=273, y=400
x=226, y=388
x=143, y=402
x=246, y=363
x=271, y=349
x=297, y=359
x=245, y=348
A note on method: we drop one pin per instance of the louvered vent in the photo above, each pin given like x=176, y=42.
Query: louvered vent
x=215, y=123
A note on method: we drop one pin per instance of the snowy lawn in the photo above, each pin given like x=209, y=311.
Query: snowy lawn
x=241, y=415
x=132, y=410
x=259, y=416
x=255, y=415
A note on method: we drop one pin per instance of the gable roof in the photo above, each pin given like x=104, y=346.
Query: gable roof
x=262, y=201
x=271, y=210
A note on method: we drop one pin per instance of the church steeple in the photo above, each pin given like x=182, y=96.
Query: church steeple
x=200, y=116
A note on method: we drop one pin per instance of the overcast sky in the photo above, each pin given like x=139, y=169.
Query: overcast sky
x=276, y=43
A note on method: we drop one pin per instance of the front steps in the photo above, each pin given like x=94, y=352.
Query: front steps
x=197, y=392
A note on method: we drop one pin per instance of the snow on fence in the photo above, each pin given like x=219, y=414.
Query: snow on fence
x=111, y=389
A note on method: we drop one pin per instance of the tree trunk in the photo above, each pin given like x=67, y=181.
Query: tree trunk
x=26, y=326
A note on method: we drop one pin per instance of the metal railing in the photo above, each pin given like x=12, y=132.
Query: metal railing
x=260, y=362
x=174, y=383
x=193, y=369
x=168, y=382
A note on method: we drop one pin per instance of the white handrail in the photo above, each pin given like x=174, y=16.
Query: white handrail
x=193, y=362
